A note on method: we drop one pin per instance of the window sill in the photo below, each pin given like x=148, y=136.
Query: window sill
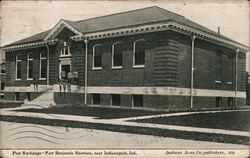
x=96, y=68
x=117, y=67
x=64, y=56
x=218, y=81
x=17, y=79
x=139, y=66
x=42, y=78
x=229, y=83
x=29, y=79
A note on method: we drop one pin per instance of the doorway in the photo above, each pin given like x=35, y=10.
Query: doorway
x=65, y=69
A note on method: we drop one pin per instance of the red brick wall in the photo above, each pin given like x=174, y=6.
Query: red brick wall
x=10, y=67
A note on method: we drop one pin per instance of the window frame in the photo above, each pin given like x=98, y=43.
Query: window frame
x=133, y=103
x=63, y=50
x=40, y=65
x=92, y=100
x=18, y=60
x=93, y=58
x=134, y=46
x=230, y=57
x=216, y=64
x=113, y=51
x=28, y=65
x=112, y=97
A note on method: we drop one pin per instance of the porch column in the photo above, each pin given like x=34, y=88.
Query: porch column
x=192, y=72
x=86, y=71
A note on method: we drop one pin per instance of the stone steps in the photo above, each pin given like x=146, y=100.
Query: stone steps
x=44, y=100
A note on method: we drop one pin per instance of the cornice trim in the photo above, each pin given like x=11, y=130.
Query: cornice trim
x=30, y=45
x=160, y=26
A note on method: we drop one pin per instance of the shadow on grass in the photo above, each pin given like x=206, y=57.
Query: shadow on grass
x=131, y=129
x=98, y=112
x=235, y=120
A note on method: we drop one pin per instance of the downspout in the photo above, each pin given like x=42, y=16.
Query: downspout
x=47, y=46
x=236, y=76
x=192, y=72
x=86, y=69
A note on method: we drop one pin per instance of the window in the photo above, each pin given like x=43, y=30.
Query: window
x=30, y=67
x=2, y=86
x=115, y=100
x=18, y=67
x=43, y=65
x=230, y=102
x=218, y=66
x=97, y=56
x=65, y=51
x=139, y=53
x=229, y=69
x=137, y=100
x=117, y=55
x=28, y=96
x=17, y=95
x=2, y=71
x=218, y=101
x=96, y=99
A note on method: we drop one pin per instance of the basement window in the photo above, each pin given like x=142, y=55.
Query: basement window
x=96, y=99
x=117, y=49
x=17, y=95
x=218, y=101
x=116, y=100
x=2, y=86
x=137, y=100
x=139, y=53
x=230, y=102
x=28, y=96
x=97, y=56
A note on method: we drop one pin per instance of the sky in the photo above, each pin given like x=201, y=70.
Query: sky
x=20, y=19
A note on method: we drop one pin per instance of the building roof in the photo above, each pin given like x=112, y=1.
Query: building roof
x=122, y=20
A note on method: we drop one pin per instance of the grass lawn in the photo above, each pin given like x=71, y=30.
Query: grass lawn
x=9, y=104
x=98, y=112
x=131, y=129
x=235, y=120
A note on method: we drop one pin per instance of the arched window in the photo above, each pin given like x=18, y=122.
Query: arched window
x=97, y=56
x=117, y=49
x=139, y=53
x=30, y=67
x=18, y=67
x=43, y=65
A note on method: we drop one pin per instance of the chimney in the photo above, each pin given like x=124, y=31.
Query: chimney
x=218, y=29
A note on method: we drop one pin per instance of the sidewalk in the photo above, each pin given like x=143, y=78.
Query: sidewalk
x=124, y=122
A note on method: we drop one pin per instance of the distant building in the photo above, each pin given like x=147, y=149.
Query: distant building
x=149, y=58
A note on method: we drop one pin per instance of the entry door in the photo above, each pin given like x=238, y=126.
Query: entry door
x=66, y=69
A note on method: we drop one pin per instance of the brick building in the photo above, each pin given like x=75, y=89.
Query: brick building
x=149, y=58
